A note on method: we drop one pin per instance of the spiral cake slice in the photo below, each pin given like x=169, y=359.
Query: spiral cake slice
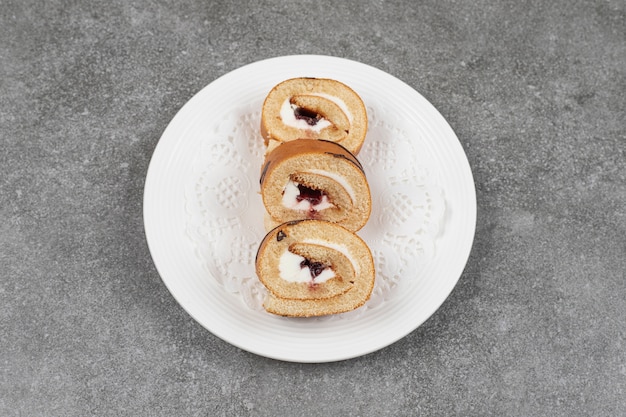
x=315, y=179
x=314, y=268
x=314, y=108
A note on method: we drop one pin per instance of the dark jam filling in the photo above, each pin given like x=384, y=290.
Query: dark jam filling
x=310, y=117
x=312, y=196
x=315, y=268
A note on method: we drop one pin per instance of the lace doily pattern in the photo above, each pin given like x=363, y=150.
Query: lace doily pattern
x=225, y=211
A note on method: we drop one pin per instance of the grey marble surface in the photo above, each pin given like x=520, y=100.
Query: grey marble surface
x=536, y=92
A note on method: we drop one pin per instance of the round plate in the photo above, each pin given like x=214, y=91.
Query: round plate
x=421, y=230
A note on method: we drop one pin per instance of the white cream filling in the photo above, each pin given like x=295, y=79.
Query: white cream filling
x=290, y=199
x=336, y=246
x=338, y=179
x=289, y=118
x=290, y=269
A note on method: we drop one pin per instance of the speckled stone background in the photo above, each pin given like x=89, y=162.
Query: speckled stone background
x=536, y=92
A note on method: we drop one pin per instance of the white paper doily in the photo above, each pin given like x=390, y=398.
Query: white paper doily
x=225, y=211
x=204, y=214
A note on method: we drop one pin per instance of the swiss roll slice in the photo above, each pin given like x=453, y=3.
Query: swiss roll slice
x=314, y=268
x=314, y=108
x=315, y=179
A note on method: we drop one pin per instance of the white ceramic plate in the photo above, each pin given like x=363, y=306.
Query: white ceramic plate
x=203, y=216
